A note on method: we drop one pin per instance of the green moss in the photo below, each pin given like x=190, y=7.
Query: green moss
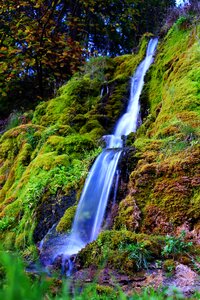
x=48, y=172
x=90, y=125
x=106, y=291
x=165, y=189
x=128, y=214
x=169, y=266
x=9, y=240
x=128, y=63
x=96, y=134
x=71, y=144
x=65, y=222
x=174, y=78
x=20, y=241
x=106, y=250
x=64, y=108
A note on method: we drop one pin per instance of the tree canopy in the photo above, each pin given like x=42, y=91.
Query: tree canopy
x=43, y=42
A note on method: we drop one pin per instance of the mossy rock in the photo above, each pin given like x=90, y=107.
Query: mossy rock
x=164, y=189
x=106, y=291
x=71, y=144
x=128, y=215
x=169, y=266
x=90, y=125
x=65, y=222
x=106, y=250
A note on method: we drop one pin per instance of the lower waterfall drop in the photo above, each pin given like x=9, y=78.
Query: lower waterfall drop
x=95, y=195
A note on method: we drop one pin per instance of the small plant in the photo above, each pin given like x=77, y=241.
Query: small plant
x=139, y=253
x=6, y=222
x=196, y=263
x=14, y=120
x=31, y=138
x=15, y=283
x=184, y=22
x=169, y=266
x=176, y=245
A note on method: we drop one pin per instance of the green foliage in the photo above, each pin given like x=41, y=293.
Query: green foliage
x=176, y=245
x=43, y=43
x=31, y=137
x=123, y=250
x=6, y=222
x=169, y=266
x=139, y=253
x=184, y=22
x=16, y=284
x=35, y=60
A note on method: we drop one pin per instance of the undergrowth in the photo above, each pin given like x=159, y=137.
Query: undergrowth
x=15, y=283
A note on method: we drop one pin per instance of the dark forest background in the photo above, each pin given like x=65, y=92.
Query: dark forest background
x=43, y=42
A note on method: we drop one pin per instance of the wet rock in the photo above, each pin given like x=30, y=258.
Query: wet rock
x=57, y=264
x=186, y=279
x=138, y=278
x=50, y=211
x=124, y=280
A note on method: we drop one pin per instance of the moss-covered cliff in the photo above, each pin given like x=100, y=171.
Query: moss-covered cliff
x=165, y=183
x=43, y=163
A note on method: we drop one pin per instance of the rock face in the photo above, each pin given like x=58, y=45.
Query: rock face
x=49, y=212
x=184, y=280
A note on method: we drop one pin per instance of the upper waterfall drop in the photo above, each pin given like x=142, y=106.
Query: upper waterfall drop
x=129, y=121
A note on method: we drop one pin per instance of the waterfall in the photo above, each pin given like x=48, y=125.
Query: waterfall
x=93, y=202
x=129, y=121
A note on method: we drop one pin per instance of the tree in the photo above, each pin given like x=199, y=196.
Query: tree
x=36, y=51
x=43, y=42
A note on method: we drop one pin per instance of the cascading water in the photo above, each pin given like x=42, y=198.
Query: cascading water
x=92, y=205
x=129, y=121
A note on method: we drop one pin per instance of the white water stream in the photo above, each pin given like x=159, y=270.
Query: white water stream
x=93, y=202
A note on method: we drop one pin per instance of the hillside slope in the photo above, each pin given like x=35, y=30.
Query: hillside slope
x=45, y=160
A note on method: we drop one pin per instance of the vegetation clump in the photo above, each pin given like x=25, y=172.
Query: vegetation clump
x=123, y=250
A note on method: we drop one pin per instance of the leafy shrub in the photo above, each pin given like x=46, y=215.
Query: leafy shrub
x=183, y=22
x=176, y=245
x=139, y=253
